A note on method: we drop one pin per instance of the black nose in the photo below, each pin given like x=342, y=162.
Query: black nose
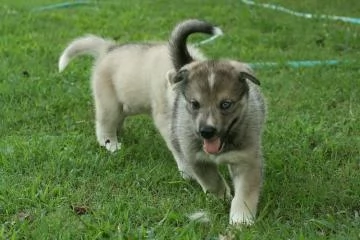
x=207, y=132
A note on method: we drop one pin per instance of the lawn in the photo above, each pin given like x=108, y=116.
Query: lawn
x=57, y=183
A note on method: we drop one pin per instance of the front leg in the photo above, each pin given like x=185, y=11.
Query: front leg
x=208, y=176
x=247, y=184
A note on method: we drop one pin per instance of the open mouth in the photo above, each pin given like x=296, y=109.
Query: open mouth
x=213, y=145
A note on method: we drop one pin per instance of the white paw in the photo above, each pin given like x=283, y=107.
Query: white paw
x=186, y=176
x=112, y=146
x=241, y=217
x=185, y=171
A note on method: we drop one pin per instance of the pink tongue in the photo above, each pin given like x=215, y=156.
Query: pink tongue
x=212, y=146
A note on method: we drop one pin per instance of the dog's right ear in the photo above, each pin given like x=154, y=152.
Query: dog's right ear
x=245, y=72
x=175, y=77
x=245, y=75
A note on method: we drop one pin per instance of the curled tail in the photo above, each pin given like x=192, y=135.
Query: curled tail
x=90, y=44
x=179, y=52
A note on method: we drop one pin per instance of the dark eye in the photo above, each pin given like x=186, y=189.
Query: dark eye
x=195, y=105
x=226, y=104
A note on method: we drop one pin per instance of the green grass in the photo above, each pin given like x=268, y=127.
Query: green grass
x=51, y=166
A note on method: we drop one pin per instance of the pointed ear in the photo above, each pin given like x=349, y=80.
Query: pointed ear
x=245, y=72
x=170, y=76
x=176, y=77
x=245, y=75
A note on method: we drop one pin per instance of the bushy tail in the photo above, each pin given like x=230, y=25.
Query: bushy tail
x=178, y=48
x=90, y=44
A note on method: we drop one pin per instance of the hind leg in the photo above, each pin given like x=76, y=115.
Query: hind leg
x=109, y=114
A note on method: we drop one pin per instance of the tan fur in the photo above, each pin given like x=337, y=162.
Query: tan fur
x=126, y=80
x=131, y=78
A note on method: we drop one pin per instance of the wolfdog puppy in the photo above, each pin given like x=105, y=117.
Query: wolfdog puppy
x=217, y=117
x=131, y=79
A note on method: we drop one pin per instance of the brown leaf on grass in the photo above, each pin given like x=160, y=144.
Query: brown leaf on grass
x=24, y=216
x=80, y=209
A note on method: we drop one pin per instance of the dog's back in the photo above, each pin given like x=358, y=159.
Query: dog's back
x=135, y=71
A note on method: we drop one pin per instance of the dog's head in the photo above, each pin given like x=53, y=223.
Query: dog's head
x=216, y=95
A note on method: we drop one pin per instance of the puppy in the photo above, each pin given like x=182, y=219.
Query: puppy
x=131, y=79
x=208, y=111
x=217, y=118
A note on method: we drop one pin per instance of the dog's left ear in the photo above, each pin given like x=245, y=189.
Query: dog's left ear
x=170, y=76
x=244, y=75
x=176, y=77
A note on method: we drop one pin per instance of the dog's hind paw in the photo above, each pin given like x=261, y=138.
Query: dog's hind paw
x=112, y=146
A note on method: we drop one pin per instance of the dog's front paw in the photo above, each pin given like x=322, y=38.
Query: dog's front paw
x=241, y=214
x=112, y=146
x=186, y=176
x=241, y=219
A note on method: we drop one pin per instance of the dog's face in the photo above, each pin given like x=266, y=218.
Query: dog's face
x=216, y=95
